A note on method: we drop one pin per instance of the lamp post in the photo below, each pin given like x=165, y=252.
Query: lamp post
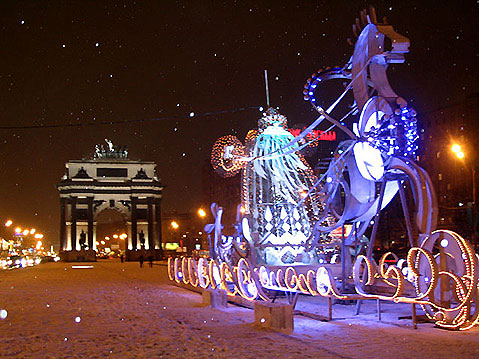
x=202, y=215
x=457, y=150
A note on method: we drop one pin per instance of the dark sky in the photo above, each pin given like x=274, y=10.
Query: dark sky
x=83, y=62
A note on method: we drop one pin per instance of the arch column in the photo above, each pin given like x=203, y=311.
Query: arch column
x=151, y=235
x=128, y=244
x=73, y=236
x=63, y=225
x=134, y=227
x=90, y=223
x=158, y=226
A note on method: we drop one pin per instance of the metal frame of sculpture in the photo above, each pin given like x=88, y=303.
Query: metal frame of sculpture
x=286, y=211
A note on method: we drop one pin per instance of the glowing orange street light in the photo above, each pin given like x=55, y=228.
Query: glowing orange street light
x=18, y=230
x=8, y=223
x=115, y=236
x=201, y=213
x=26, y=232
x=457, y=151
x=123, y=236
x=32, y=231
x=38, y=236
x=174, y=224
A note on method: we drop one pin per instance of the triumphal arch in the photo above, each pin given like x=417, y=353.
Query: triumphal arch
x=110, y=180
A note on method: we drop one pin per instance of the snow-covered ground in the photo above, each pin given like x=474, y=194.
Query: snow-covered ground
x=118, y=310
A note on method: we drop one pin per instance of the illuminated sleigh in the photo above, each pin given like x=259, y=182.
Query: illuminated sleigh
x=287, y=212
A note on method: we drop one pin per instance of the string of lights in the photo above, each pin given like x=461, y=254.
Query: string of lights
x=249, y=281
x=106, y=123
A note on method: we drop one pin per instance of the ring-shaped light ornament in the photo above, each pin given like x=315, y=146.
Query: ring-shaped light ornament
x=225, y=156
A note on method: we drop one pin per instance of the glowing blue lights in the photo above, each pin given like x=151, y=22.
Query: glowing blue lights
x=395, y=135
x=315, y=79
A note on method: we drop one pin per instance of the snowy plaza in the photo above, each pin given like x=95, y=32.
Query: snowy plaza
x=126, y=311
x=166, y=193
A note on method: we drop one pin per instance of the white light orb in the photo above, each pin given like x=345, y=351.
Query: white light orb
x=369, y=161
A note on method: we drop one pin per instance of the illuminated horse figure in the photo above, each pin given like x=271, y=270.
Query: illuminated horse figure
x=375, y=164
x=382, y=142
x=287, y=210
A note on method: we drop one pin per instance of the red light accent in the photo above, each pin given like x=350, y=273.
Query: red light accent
x=295, y=131
x=320, y=135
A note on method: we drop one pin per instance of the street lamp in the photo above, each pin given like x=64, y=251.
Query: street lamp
x=8, y=223
x=201, y=213
x=457, y=150
x=174, y=224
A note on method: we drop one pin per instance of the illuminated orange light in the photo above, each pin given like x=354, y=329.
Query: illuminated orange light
x=455, y=148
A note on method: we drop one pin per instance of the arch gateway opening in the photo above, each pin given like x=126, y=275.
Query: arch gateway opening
x=109, y=181
x=111, y=233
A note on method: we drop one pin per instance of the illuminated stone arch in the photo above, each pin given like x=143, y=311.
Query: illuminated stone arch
x=115, y=182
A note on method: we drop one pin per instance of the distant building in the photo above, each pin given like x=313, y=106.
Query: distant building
x=183, y=233
x=452, y=177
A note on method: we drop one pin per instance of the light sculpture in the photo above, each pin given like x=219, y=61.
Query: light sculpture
x=278, y=213
x=286, y=211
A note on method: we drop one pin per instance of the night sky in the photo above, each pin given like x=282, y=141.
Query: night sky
x=68, y=67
